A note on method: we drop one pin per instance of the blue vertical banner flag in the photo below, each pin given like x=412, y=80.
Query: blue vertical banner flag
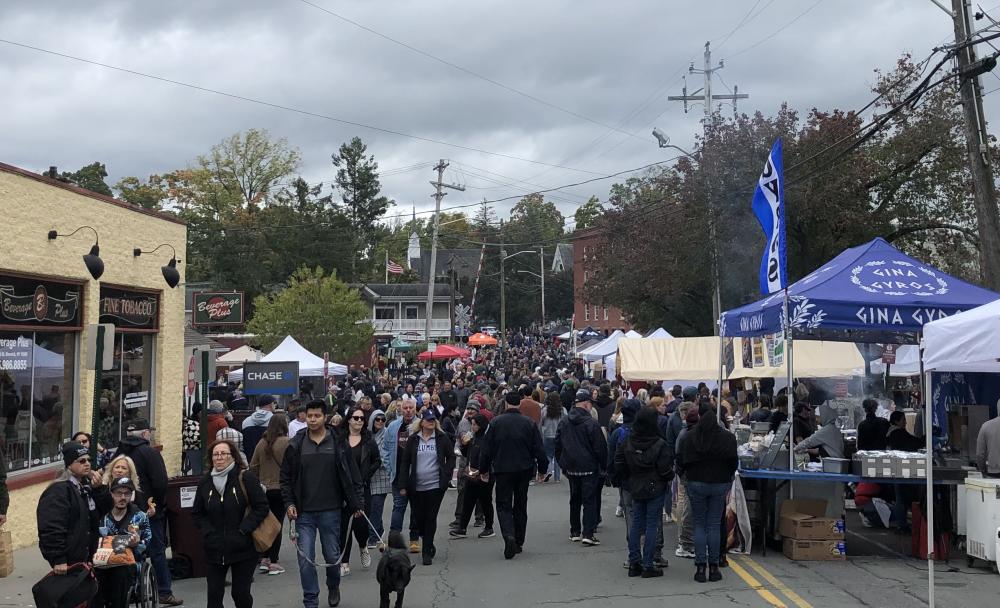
x=769, y=207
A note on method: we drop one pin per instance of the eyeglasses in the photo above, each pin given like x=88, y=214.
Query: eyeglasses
x=357, y=417
x=379, y=419
x=84, y=460
x=221, y=455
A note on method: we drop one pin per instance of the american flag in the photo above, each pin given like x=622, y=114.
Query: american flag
x=393, y=267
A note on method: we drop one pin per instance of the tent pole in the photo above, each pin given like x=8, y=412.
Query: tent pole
x=929, y=439
x=790, y=397
x=722, y=348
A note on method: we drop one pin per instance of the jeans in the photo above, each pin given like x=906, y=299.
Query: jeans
x=157, y=552
x=327, y=525
x=242, y=579
x=685, y=525
x=424, y=508
x=375, y=511
x=646, y=519
x=550, y=450
x=707, y=502
x=585, y=495
x=398, y=511
x=512, y=503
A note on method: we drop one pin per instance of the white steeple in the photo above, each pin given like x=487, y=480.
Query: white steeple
x=413, y=249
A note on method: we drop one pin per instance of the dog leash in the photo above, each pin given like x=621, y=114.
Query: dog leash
x=294, y=537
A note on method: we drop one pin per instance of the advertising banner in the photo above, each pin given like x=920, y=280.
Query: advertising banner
x=279, y=378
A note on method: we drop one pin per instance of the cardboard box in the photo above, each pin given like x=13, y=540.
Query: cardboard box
x=814, y=550
x=806, y=520
x=885, y=466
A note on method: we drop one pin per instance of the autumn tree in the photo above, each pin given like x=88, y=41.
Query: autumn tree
x=586, y=214
x=90, y=177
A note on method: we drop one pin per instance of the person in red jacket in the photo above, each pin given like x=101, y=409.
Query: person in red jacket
x=216, y=418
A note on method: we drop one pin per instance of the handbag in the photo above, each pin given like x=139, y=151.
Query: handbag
x=74, y=589
x=268, y=530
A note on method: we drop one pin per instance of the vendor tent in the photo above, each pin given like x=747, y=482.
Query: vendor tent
x=659, y=333
x=813, y=359
x=481, y=339
x=907, y=360
x=660, y=359
x=444, y=351
x=869, y=293
x=239, y=356
x=607, y=346
x=400, y=344
x=967, y=342
x=588, y=333
x=290, y=350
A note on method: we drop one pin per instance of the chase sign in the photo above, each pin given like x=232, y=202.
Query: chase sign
x=280, y=378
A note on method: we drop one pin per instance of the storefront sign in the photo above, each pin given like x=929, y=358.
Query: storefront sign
x=25, y=301
x=218, y=308
x=15, y=354
x=271, y=378
x=129, y=309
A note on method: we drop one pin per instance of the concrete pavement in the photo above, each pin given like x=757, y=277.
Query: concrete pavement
x=553, y=571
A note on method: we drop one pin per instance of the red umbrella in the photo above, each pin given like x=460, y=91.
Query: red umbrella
x=444, y=351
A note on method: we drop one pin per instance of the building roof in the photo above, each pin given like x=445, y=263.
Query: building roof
x=193, y=337
x=84, y=192
x=403, y=291
x=564, y=254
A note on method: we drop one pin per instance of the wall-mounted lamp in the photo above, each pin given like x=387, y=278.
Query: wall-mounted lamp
x=93, y=261
x=170, y=273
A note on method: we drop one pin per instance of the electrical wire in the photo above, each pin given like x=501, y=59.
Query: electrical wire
x=286, y=108
x=776, y=32
x=743, y=22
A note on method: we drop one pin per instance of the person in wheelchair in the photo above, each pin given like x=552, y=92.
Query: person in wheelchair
x=125, y=520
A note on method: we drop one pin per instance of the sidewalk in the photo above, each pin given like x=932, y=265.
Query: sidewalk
x=29, y=568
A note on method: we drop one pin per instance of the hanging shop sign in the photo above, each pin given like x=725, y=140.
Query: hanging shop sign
x=129, y=309
x=218, y=308
x=27, y=301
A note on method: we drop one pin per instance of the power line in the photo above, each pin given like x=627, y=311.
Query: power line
x=462, y=68
x=777, y=31
x=289, y=108
x=743, y=22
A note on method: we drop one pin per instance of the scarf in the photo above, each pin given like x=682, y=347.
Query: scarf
x=219, y=478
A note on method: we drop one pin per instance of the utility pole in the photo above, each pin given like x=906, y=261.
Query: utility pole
x=541, y=272
x=503, y=297
x=439, y=194
x=706, y=97
x=976, y=138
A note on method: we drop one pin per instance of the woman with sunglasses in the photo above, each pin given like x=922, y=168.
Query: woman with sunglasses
x=380, y=485
x=368, y=459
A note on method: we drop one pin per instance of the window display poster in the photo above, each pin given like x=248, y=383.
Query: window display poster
x=758, y=352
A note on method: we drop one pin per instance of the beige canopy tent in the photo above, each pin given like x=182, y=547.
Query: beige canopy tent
x=239, y=356
x=698, y=358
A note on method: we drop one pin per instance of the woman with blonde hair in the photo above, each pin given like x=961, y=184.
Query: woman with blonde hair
x=642, y=396
x=124, y=466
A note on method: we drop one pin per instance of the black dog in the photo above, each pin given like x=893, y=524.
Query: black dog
x=393, y=572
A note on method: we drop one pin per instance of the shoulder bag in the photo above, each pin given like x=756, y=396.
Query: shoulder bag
x=268, y=530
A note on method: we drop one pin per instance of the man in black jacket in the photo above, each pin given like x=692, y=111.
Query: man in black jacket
x=320, y=484
x=582, y=453
x=873, y=429
x=514, y=452
x=70, y=510
x=152, y=486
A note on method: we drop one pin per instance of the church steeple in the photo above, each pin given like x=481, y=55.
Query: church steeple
x=413, y=249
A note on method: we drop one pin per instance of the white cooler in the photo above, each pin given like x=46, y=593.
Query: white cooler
x=982, y=518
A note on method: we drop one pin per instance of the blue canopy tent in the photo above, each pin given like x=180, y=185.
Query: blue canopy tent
x=870, y=293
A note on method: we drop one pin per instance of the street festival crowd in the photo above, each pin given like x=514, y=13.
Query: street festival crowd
x=346, y=465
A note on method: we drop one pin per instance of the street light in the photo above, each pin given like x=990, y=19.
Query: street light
x=663, y=141
x=503, y=296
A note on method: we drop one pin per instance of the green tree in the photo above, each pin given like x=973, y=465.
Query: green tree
x=321, y=312
x=149, y=194
x=90, y=177
x=251, y=168
x=360, y=190
x=586, y=215
x=534, y=219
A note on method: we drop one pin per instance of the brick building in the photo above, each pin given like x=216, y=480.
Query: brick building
x=602, y=318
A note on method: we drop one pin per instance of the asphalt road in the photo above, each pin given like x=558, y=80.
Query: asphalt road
x=553, y=571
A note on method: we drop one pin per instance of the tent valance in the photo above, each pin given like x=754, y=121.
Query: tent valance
x=812, y=359
x=869, y=293
x=668, y=358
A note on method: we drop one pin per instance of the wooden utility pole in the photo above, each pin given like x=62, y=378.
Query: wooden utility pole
x=439, y=194
x=976, y=138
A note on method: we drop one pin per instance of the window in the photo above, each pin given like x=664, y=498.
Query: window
x=595, y=312
x=605, y=313
x=410, y=312
x=385, y=312
x=37, y=378
x=586, y=275
x=126, y=390
x=586, y=312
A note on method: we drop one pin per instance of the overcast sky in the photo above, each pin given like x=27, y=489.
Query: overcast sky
x=611, y=63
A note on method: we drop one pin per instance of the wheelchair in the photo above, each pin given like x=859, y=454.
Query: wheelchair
x=144, y=593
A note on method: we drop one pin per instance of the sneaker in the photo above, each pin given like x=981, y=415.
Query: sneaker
x=548, y=477
x=575, y=538
x=619, y=512
x=659, y=562
x=487, y=533
x=366, y=558
x=458, y=533
x=590, y=541
x=170, y=600
x=455, y=524
x=414, y=546
x=274, y=569
x=634, y=570
x=651, y=572
x=264, y=565
x=682, y=552
x=345, y=569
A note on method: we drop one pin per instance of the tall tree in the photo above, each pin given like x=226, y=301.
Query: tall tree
x=90, y=177
x=321, y=312
x=251, y=167
x=149, y=194
x=586, y=214
x=360, y=190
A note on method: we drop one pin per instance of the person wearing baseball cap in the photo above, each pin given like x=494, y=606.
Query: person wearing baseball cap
x=582, y=452
x=124, y=519
x=65, y=535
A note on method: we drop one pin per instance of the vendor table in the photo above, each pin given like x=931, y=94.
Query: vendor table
x=782, y=477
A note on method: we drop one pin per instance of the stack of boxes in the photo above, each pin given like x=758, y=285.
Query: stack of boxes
x=896, y=464
x=808, y=534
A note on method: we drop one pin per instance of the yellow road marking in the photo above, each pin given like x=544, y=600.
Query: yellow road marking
x=796, y=599
x=755, y=585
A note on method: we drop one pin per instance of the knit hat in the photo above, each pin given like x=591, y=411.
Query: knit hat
x=692, y=416
x=72, y=450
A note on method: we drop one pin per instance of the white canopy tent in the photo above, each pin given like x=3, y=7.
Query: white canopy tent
x=907, y=363
x=966, y=342
x=239, y=356
x=658, y=333
x=289, y=350
x=608, y=346
x=813, y=359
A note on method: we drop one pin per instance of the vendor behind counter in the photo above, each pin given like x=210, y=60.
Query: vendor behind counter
x=828, y=441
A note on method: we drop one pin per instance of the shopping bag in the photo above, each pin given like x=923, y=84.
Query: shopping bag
x=6, y=554
x=74, y=589
x=739, y=534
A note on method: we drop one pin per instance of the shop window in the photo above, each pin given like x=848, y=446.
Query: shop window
x=37, y=378
x=127, y=389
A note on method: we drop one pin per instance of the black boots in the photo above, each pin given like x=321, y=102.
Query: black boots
x=651, y=572
x=634, y=569
x=699, y=574
x=713, y=573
